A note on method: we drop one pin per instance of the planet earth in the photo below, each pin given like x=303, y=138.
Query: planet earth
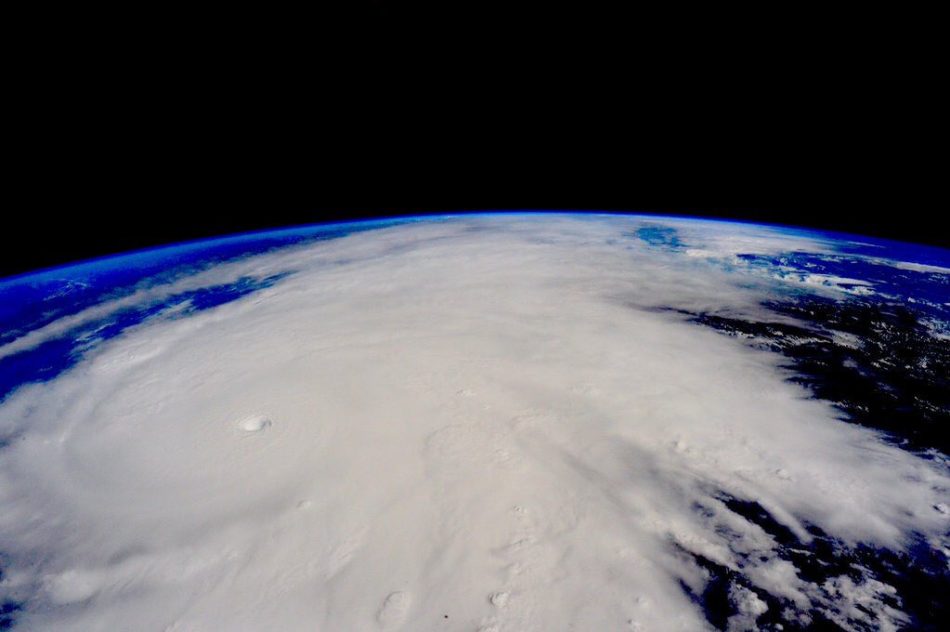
x=488, y=422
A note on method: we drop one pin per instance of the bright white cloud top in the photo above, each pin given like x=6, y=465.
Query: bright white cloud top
x=472, y=423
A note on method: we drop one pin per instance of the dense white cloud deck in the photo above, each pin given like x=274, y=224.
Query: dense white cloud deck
x=479, y=423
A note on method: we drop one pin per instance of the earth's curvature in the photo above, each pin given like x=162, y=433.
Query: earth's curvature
x=499, y=422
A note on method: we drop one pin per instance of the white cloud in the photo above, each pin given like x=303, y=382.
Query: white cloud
x=422, y=418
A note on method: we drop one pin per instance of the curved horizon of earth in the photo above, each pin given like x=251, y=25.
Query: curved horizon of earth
x=494, y=422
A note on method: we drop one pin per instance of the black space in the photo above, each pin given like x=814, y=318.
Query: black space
x=141, y=138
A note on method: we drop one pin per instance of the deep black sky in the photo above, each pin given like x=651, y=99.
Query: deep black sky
x=802, y=121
